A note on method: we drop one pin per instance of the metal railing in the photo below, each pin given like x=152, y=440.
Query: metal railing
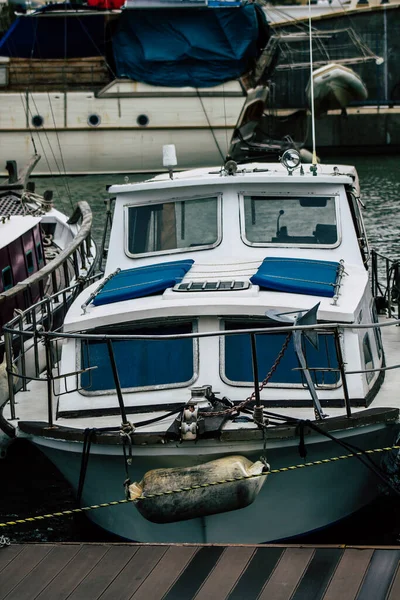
x=386, y=292
x=33, y=331
x=68, y=263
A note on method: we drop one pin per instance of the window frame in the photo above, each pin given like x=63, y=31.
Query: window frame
x=217, y=196
x=287, y=196
x=147, y=388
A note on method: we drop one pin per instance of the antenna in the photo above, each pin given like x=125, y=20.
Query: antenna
x=314, y=152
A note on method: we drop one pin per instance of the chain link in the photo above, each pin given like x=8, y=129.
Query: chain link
x=251, y=398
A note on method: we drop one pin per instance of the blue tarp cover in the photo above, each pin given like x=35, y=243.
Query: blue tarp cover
x=297, y=275
x=186, y=47
x=75, y=36
x=142, y=281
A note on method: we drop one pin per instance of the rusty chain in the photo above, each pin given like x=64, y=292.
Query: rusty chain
x=251, y=398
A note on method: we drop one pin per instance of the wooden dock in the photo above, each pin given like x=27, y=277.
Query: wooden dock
x=79, y=571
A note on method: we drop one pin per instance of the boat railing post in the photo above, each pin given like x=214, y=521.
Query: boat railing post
x=75, y=262
x=22, y=352
x=66, y=274
x=87, y=243
x=255, y=369
x=388, y=290
x=35, y=343
x=9, y=360
x=396, y=279
x=373, y=273
x=339, y=355
x=83, y=255
x=116, y=381
x=49, y=369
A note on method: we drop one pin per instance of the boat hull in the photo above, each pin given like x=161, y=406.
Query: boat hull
x=290, y=504
x=200, y=128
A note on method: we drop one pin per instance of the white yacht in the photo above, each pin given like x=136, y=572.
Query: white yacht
x=230, y=368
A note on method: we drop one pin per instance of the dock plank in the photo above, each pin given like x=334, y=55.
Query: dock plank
x=257, y=573
x=13, y=574
x=195, y=573
x=349, y=574
x=135, y=573
x=103, y=573
x=287, y=575
x=318, y=574
x=8, y=554
x=39, y=578
x=74, y=572
x=159, y=582
x=394, y=593
x=379, y=577
x=226, y=573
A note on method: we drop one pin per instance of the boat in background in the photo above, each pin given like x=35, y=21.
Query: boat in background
x=237, y=318
x=42, y=252
x=74, y=78
x=335, y=87
x=370, y=125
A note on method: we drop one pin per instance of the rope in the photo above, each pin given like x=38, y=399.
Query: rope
x=314, y=463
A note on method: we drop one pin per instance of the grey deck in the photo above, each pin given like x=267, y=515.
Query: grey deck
x=211, y=572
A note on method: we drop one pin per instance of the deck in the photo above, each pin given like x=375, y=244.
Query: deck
x=80, y=571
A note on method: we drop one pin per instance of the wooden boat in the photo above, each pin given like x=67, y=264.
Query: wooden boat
x=237, y=318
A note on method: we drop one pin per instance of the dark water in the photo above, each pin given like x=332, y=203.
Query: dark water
x=30, y=485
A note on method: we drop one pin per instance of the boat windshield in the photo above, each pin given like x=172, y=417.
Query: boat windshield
x=173, y=227
x=300, y=221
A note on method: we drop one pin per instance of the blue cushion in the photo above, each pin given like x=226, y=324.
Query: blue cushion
x=142, y=281
x=297, y=275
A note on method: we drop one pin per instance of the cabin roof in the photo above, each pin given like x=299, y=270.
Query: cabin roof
x=261, y=173
x=14, y=226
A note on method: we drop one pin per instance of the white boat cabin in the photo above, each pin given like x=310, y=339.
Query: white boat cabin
x=212, y=250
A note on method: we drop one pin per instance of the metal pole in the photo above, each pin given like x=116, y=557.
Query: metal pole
x=49, y=368
x=342, y=372
x=9, y=353
x=255, y=369
x=116, y=381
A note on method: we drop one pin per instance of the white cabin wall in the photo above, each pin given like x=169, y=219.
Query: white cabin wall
x=232, y=248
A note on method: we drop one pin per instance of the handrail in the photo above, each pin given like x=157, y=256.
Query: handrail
x=53, y=265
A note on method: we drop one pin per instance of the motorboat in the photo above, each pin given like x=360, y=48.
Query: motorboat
x=233, y=370
x=335, y=87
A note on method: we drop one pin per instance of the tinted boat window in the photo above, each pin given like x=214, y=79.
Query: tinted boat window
x=322, y=363
x=140, y=363
x=173, y=226
x=299, y=221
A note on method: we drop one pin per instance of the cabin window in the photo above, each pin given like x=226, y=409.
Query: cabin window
x=302, y=221
x=236, y=363
x=7, y=278
x=368, y=359
x=172, y=227
x=39, y=252
x=29, y=261
x=142, y=364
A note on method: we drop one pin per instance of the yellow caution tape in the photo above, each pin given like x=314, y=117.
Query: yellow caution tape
x=314, y=463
